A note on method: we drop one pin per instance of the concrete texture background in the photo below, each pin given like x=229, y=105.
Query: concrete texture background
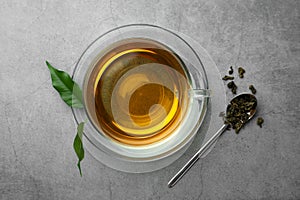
x=37, y=129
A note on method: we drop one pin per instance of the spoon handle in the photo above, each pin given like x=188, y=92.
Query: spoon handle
x=196, y=157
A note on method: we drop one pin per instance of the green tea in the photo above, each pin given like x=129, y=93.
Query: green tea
x=137, y=92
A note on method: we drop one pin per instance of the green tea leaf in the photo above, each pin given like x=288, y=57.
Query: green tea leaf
x=69, y=90
x=78, y=146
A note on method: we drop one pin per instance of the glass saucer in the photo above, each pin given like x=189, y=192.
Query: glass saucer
x=123, y=161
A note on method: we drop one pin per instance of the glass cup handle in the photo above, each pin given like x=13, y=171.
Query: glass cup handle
x=200, y=93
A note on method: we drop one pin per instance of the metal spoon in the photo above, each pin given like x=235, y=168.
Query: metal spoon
x=208, y=144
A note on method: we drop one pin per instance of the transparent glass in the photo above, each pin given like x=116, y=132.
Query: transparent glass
x=153, y=155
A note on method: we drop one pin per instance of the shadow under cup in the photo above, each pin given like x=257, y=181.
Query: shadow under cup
x=145, y=94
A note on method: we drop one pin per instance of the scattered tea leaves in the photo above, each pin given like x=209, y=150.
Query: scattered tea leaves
x=78, y=145
x=69, y=90
x=253, y=90
x=225, y=78
x=238, y=111
x=241, y=72
x=260, y=121
x=230, y=70
x=231, y=85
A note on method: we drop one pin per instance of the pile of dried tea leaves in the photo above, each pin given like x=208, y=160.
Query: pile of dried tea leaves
x=238, y=109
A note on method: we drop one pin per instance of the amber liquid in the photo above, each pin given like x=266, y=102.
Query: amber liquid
x=137, y=92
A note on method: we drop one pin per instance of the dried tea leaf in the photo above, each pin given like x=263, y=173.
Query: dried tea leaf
x=253, y=90
x=230, y=70
x=225, y=78
x=260, y=121
x=231, y=85
x=241, y=72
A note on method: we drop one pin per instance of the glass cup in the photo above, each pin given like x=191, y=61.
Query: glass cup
x=189, y=89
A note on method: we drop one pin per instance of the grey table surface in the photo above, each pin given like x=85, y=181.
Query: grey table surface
x=37, y=129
